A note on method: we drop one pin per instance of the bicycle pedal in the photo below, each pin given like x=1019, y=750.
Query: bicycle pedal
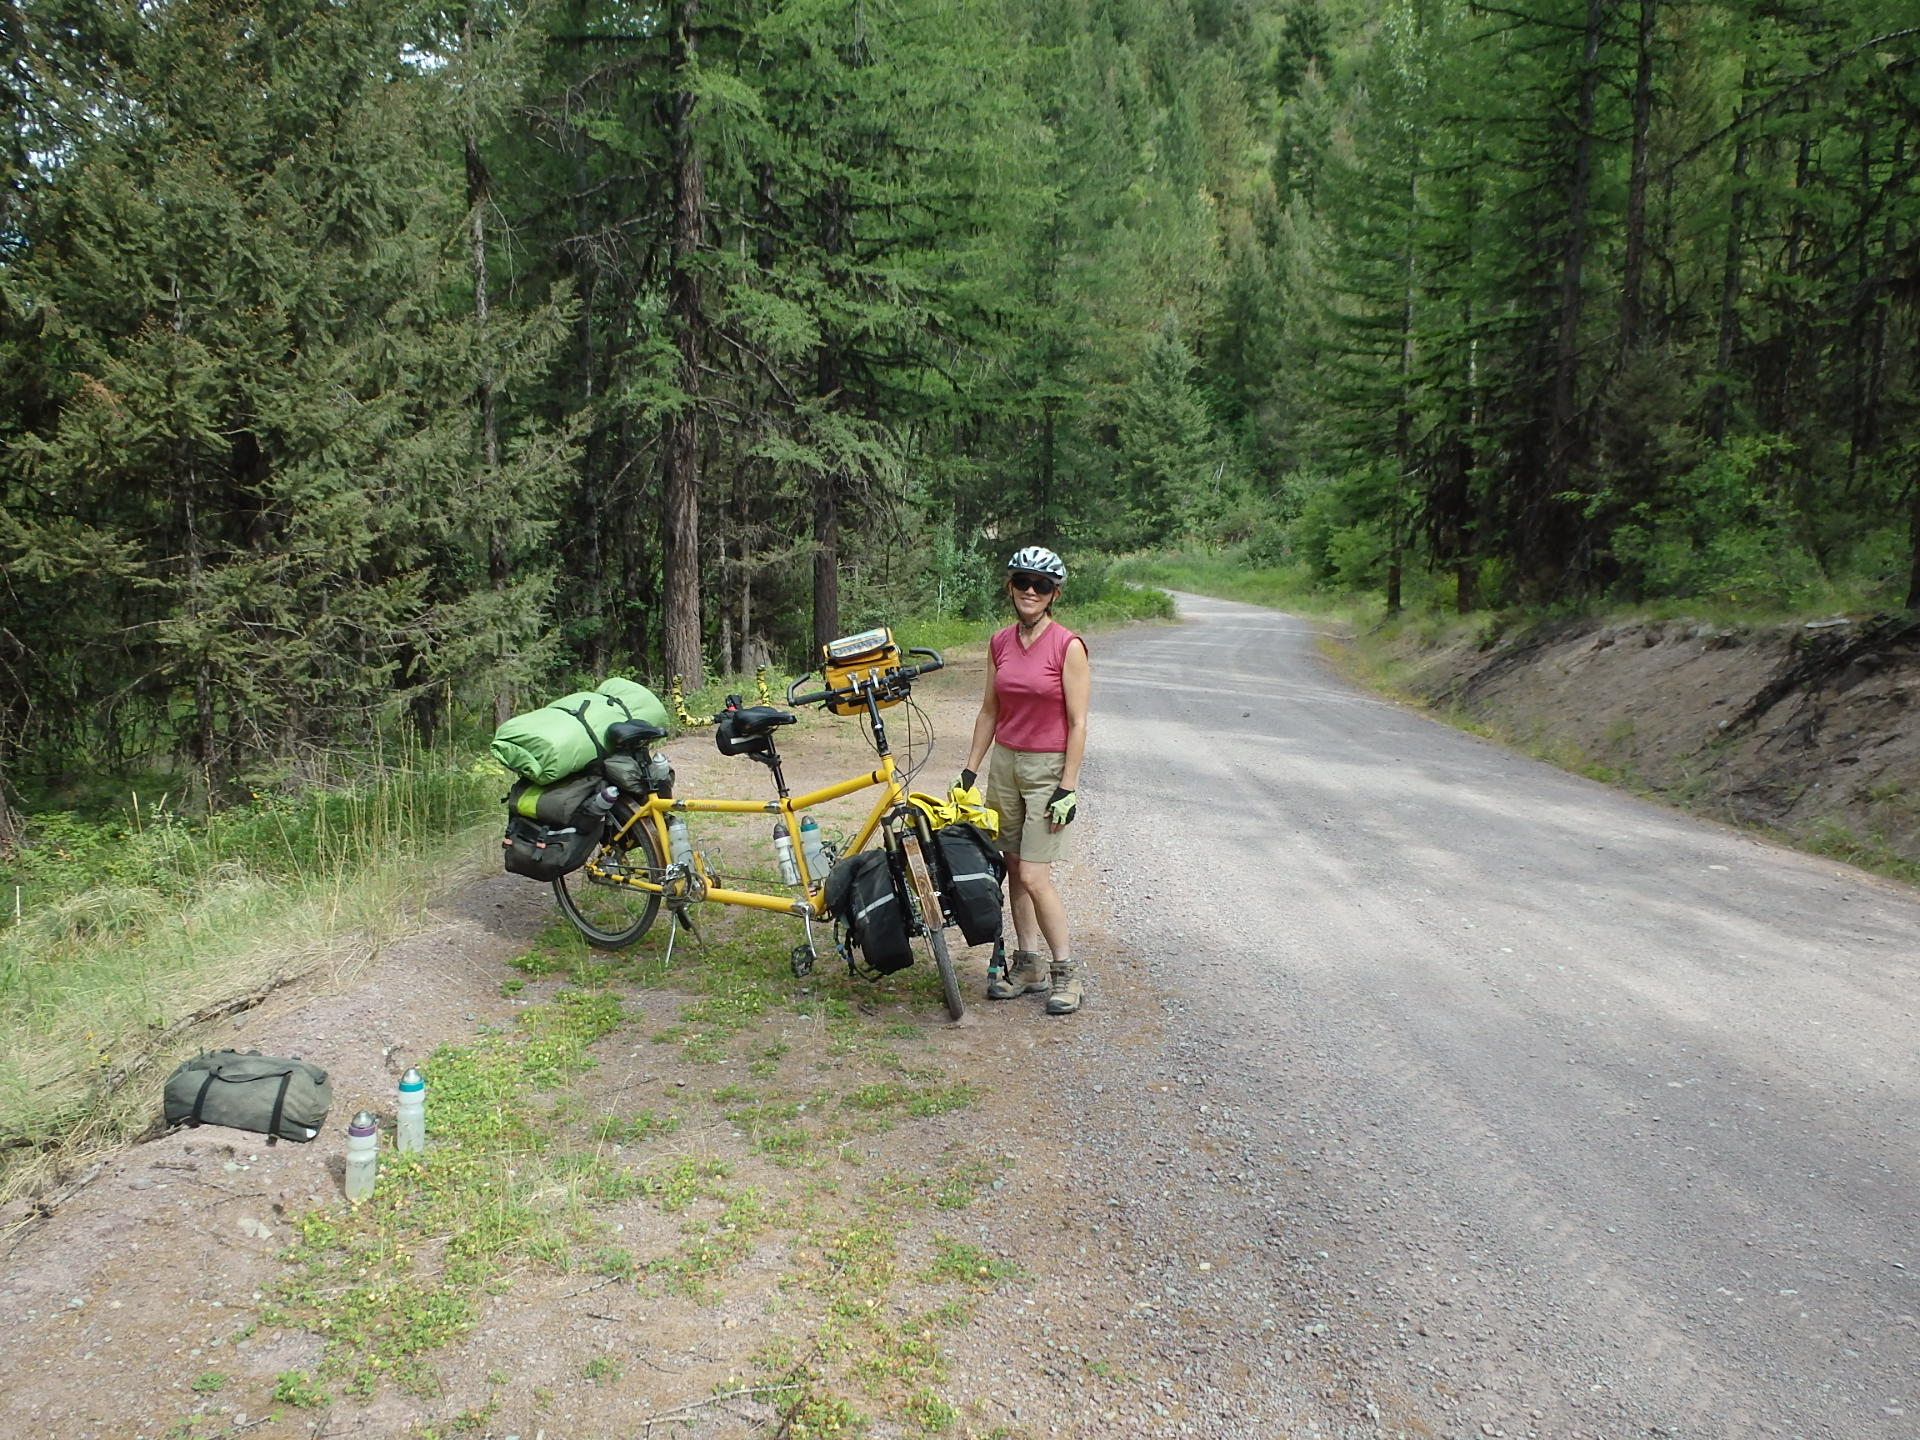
x=801, y=961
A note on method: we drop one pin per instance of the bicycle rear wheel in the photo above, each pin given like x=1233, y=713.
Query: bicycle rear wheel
x=612, y=915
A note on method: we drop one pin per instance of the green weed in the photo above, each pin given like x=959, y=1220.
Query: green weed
x=296, y=1388
x=921, y=1100
x=635, y=1129
x=603, y=1370
x=964, y=1264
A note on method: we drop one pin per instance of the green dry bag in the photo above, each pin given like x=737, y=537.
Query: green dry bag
x=565, y=737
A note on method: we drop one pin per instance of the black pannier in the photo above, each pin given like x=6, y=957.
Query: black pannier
x=863, y=896
x=553, y=829
x=546, y=852
x=971, y=869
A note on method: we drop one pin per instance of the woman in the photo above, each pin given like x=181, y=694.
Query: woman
x=1034, y=718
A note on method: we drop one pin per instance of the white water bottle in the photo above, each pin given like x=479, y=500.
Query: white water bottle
x=659, y=774
x=680, y=842
x=363, y=1156
x=783, y=852
x=410, y=1134
x=815, y=849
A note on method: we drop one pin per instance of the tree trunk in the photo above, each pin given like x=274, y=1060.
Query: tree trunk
x=1566, y=369
x=829, y=481
x=826, y=557
x=1049, y=441
x=680, y=448
x=1633, y=270
x=479, y=198
x=11, y=829
x=1729, y=330
x=1403, y=415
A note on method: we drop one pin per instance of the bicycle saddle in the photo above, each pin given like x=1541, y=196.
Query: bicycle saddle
x=627, y=735
x=747, y=731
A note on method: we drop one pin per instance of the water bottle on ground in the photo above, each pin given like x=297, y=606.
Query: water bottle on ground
x=814, y=848
x=783, y=852
x=363, y=1156
x=410, y=1134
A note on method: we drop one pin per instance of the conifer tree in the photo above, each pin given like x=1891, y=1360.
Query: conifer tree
x=261, y=430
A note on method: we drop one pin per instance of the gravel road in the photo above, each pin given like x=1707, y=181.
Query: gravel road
x=1499, y=1102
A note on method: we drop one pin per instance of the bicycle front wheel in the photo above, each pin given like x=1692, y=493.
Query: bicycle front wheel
x=949, y=982
x=611, y=914
x=917, y=845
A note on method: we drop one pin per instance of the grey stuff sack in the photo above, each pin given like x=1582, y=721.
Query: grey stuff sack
x=245, y=1090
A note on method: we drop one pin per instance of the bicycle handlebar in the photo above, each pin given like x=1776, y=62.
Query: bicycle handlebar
x=899, y=679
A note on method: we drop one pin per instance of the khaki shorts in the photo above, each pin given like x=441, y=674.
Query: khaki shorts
x=1019, y=785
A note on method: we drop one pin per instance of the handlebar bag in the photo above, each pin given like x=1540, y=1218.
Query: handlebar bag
x=243, y=1089
x=858, y=660
x=864, y=897
x=970, y=870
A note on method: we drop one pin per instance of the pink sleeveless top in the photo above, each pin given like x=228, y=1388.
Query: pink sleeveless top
x=1027, y=684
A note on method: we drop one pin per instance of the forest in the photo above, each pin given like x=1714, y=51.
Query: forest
x=369, y=365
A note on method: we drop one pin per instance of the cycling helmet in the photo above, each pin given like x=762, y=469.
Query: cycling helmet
x=1038, y=560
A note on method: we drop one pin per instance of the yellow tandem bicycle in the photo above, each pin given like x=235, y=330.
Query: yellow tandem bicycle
x=648, y=858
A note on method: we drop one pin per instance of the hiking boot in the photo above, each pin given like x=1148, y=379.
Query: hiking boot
x=1064, y=996
x=1022, y=975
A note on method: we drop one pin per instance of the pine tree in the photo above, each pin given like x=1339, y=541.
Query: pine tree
x=263, y=425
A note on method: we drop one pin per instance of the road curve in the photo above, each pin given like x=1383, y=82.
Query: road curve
x=1581, y=1117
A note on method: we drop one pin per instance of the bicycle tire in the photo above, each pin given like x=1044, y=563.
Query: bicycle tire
x=612, y=916
x=926, y=899
x=949, y=981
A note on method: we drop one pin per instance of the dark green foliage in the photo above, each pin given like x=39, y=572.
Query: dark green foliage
x=1625, y=290
x=246, y=512
x=367, y=367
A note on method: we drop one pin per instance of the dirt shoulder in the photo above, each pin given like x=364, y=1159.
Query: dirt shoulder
x=835, y=1215
x=1804, y=730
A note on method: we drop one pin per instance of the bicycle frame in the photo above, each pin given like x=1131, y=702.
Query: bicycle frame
x=654, y=811
x=646, y=829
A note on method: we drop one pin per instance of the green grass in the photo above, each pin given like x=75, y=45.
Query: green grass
x=513, y=1181
x=129, y=926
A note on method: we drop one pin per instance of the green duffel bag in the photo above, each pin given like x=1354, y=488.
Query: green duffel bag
x=562, y=739
x=245, y=1090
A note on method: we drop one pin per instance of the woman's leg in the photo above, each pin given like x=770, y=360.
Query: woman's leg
x=1037, y=907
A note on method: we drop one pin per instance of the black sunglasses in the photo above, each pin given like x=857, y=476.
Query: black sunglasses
x=1038, y=584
